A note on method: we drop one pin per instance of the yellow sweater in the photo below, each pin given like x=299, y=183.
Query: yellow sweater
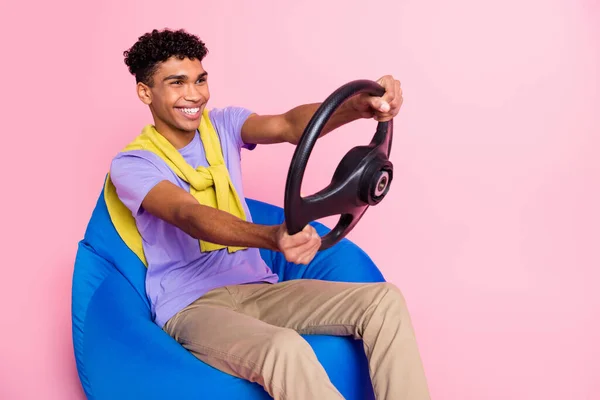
x=211, y=185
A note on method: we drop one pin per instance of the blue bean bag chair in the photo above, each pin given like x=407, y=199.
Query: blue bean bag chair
x=122, y=354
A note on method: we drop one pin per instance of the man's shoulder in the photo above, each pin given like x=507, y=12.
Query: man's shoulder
x=137, y=162
x=229, y=121
x=127, y=157
x=233, y=115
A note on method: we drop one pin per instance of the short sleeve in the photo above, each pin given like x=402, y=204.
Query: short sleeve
x=134, y=174
x=229, y=121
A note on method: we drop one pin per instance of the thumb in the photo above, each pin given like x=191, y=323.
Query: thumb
x=312, y=232
x=301, y=237
x=379, y=104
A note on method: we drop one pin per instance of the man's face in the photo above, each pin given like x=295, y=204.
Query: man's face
x=178, y=95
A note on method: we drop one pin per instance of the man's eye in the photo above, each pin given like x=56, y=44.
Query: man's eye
x=177, y=82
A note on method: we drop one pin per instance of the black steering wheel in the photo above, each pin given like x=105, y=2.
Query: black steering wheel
x=361, y=179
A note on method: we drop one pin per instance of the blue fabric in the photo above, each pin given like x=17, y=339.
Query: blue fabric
x=122, y=354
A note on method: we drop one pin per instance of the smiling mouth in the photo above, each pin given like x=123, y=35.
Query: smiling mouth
x=189, y=112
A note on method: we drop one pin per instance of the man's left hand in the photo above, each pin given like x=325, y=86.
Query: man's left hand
x=382, y=108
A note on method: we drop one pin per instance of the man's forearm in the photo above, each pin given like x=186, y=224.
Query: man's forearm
x=299, y=117
x=220, y=227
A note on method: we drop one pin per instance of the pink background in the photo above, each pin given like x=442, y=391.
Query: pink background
x=491, y=228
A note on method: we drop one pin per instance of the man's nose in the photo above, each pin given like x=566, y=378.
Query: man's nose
x=192, y=93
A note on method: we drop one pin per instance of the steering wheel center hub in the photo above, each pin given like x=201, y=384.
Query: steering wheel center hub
x=382, y=183
x=376, y=181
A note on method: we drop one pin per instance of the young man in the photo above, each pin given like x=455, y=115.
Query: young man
x=208, y=286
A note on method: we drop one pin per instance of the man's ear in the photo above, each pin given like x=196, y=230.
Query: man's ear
x=144, y=93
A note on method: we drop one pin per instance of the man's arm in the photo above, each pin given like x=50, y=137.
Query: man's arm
x=178, y=207
x=288, y=127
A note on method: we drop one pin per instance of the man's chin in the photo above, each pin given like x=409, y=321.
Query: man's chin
x=188, y=126
x=190, y=129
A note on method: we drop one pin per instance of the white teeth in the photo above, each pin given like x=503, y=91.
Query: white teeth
x=190, y=110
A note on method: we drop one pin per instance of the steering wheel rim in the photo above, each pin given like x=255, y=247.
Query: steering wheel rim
x=362, y=178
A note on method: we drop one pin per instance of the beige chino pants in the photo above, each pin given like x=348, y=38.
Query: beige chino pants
x=253, y=332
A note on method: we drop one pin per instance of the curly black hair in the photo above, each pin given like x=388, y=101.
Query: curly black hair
x=154, y=47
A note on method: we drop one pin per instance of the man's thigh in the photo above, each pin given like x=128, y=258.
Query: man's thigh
x=314, y=306
x=212, y=330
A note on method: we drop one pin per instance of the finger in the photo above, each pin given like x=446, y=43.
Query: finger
x=301, y=238
x=308, y=250
x=316, y=240
x=397, y=100
x=310, y=253
x=297, y=239
x=303, y=254
x=383, y=104
x=310, y=229
x=395, y=104
x=379, y=104
x=389, y=84
x=395, y=97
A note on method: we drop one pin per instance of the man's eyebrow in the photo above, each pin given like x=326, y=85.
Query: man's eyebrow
x=177, y=77
x=183, y=77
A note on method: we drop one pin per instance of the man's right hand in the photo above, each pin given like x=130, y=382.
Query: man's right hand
x=301, y=247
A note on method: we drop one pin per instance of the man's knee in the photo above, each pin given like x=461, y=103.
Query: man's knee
x=390, y=296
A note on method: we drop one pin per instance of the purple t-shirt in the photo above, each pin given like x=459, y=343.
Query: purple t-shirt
x=178, y=273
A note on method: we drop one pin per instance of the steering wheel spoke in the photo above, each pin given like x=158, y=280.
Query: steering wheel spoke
x=333, y=200
x=345, y=224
